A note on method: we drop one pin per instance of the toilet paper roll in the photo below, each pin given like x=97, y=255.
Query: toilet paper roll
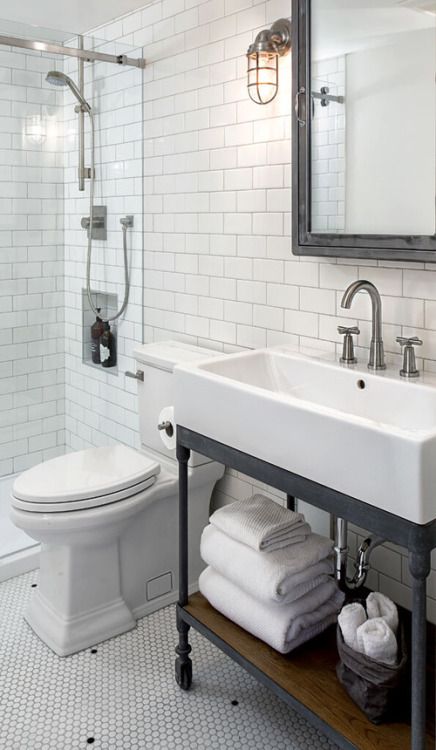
x=168, y=433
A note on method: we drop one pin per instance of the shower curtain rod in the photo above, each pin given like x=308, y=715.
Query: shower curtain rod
x=82, y=54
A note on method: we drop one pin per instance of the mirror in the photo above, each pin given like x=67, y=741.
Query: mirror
x=366, y=127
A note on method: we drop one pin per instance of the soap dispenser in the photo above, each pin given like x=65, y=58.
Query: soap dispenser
x=108, y=351
x=96, y=333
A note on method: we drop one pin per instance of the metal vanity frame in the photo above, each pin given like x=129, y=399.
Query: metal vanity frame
x=419, y=541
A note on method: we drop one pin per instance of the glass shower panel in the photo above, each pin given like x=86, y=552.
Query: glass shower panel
x=50, y=399
x=31, y=278
x=31, y=262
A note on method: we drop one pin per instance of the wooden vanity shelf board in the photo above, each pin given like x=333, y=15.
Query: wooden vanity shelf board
x=309, y=676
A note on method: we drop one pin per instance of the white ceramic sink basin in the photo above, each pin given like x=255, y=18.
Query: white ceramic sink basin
x=371, y=436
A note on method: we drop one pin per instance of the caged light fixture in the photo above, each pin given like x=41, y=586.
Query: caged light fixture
x=263, y=61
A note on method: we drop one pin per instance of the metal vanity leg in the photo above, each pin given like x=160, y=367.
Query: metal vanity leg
x=419, y=566
x=290, y=502
x=183, y=663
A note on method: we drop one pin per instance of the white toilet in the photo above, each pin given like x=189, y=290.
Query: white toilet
x=107, y=521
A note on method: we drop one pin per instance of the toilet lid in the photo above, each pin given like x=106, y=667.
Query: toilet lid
x=87, y=474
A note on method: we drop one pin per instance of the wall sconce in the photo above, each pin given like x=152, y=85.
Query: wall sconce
x=263, y=61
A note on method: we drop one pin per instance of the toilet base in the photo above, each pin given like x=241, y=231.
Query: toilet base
x=79, y=601
x=66, y=635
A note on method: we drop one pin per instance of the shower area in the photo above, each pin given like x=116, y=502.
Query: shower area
x=60, y=95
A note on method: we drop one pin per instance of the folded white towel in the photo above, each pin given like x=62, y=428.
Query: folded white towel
x=282, y=576
x=376, y=640
x=284, y=627
x=350, y=618
x=261, y=523
x=379, y=605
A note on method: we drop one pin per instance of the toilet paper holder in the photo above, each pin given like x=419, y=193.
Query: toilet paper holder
x=167, y=426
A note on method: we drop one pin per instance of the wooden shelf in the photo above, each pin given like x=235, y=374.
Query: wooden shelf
x=308, y=675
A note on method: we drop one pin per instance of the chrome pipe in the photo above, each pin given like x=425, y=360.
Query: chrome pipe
x=81, y=54
x=361, y=566
x=341, y=549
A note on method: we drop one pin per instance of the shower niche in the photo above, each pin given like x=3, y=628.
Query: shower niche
x=108, y=305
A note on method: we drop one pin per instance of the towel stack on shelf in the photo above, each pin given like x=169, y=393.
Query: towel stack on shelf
x=269, y=573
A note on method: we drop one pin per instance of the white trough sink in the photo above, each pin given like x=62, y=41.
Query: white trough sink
x=371, y=436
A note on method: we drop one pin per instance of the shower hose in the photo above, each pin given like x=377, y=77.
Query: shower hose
x=124, y=224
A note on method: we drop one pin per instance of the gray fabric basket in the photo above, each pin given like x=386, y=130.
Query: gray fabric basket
x=380, y=691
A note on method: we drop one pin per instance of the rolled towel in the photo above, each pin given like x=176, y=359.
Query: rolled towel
x=261, y=523
x=376, y=640
x=379, y=605
x=284, y=627
x=350, y=618
x=281, y=576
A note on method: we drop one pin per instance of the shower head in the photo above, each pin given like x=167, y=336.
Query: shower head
x=56, y=78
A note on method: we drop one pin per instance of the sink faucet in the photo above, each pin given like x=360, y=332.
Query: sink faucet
x=376, y=352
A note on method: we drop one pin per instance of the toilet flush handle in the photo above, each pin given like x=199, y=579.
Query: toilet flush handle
x=138, y=375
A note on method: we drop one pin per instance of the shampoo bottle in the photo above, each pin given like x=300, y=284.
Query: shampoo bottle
x=96, y=332
x=108, y=352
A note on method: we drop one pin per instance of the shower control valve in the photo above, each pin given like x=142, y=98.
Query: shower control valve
x=99, y=223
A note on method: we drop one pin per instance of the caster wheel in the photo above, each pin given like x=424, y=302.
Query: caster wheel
x=184, y=674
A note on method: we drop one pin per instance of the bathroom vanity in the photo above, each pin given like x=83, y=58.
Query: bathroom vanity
x=336, y=438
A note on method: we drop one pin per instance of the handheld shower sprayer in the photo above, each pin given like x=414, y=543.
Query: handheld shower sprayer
x=57, y=78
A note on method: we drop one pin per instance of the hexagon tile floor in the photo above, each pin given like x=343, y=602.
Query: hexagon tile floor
x=122, y=694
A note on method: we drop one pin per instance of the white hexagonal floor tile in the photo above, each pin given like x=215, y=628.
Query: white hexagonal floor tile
x=122, y=695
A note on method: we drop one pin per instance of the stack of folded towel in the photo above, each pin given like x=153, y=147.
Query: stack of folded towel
x=373, y=632
x=269, y=573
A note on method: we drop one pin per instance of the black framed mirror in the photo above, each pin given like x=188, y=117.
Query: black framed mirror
x=364, y=124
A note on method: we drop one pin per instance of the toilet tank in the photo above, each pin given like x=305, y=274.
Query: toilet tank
x=157, y=361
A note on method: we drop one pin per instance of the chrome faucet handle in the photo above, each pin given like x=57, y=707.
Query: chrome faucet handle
x=348, y=357
x=409, y=369
x=412, y=341
x=345, y=330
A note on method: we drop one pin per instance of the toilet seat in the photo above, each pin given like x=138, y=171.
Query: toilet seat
x=85, y=479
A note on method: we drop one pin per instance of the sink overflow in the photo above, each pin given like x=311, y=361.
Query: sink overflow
x=361, y=384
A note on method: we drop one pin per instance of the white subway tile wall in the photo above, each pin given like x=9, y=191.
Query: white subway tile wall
x=32, y=373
